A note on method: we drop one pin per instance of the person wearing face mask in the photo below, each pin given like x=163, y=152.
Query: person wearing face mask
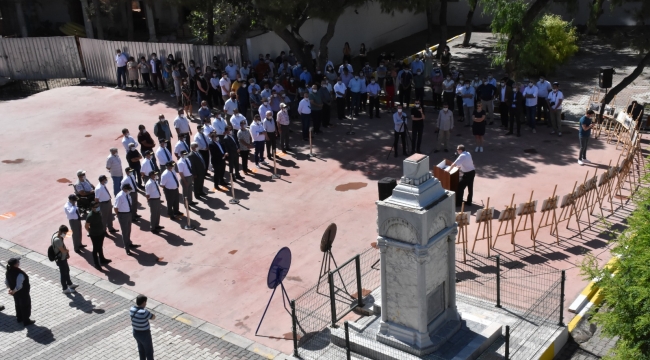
x=304, y=109
x=133, y=158
x=188, y=175
x=153, y=194
x=231, y=145
x=330, y=75
x=449, y=92
x=436, y=86
x=204, y=111
x=202, y=139
x=199, y=168
x=127, y=139
x=584, y=133
x=114, y=167
x=363, y=93
x=266, y=93
x=274, y=102
x=123, y=207
x=418, y=85
x=74, y=219
x=530, y=93
x=316, y=102
x=129, y=179
x=373, y=90
x=283, y=122
x=400, y=129
x=445, y=60
x=182, y=126
x=467, y=94
x=444, y=125
x=176, y=82
x=245, y=141
x=147, y=165
x=340, y=92
x=156, y=71
x=232, y=69
x=417, y=117
x=345, y=66
x=215, y=89
x=354, y=86
x=504, y=93
x=516, y=111
x=271, y=134
x=405, y=86
x=245, y=71
x=162, y=130
x=145, y=71
x=230, y=105
x=382, y=72
x=305, y=76
x=121, y=61
x=487, y=93
x=104, y=198
x=555, y=99
x=465, y=163
x=219, y=124
x=169, y=182
x=95, y=229
x=203, y=88
x=225, y=85
x=218, y=156
x=186, y=99
x=543, y=89
x=145, y=140
x=325, y=93
x=259, y=138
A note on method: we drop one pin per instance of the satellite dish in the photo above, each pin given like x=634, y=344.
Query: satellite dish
x=279, y=268
x=328, y=238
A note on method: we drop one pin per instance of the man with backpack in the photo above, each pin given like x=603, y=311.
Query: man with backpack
x=59, y=252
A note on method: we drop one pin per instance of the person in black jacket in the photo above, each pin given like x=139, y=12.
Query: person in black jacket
x=198, y=168
x=516, y=109
x=232, y=147
x=18, y=283
x=218, y=155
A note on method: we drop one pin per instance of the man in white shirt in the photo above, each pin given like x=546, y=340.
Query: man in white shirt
x=203, y=140
x=163, y=154
x=147, y=165
x=224, y=84
x=153, y=194
x=219, y=125
x=271, y=132
x=74, y=219
x=400, y=129
x=304, y=109
x=170, y=183
x=264, y=108
x=127, y=139
x=283, y=121
x=180, y=146
x=466, y=165
x=182, y=126
x=129, y=179
x=235, y=122
x=120, y=62
x=231, y=104
x=187, y=177
x=104, y=197
x=444, y=125
x=231, y=69
x=555, y=99
x=530, y=93
x=543, y=88
x=259, y=138
x=114, y=167
x=123, y=209
x=340, y=92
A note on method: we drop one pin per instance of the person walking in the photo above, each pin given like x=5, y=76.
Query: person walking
x=169, y=183
x=74, y=219
x=586, y=124
x=140, y=317
x=62, y=254
x=95, y=228
x=153, y=194
x=399, y=122
x=18, y=283
x=555, y=99
x=466, y=165
x=114, y=167
x=444, y=125
x=478, y=126
x=123, y=208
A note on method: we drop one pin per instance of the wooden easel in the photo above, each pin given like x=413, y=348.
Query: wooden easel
x=462, y=219
x=601, y=191
x=527, y=211
x=581, y=200
x=484, y=219
x=549, y=206
x=639, y=159
x=507, y=216
x=568, y=210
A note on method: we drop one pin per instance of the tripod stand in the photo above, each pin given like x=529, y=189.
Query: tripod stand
x=406, y=140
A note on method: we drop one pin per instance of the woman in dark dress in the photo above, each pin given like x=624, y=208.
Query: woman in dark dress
x=18, y=283
x=478, y=126
x=186, y=99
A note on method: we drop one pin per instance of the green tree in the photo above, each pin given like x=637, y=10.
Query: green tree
x=550, y=42
x=625, y=286
x=223, y=22
x=469, y=26
x=596, y=10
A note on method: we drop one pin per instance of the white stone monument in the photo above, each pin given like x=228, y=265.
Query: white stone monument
x=417, y=235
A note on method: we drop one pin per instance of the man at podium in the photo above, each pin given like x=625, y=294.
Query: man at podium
x=466, y=165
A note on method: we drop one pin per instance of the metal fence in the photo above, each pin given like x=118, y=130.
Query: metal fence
x=40, y=58
x=99, y=55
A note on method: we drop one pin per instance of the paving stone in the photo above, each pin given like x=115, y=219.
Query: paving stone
x=265, y=351
x=167, y=310
x=36, y=256
x=127, y=294
x=6, y=244
x=19, y=250
x=107, y=285
x=237, y=340
x=213, y=330
x=189, y=320
x=89, y=278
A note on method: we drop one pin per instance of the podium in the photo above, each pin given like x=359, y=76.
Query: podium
x=449, y=180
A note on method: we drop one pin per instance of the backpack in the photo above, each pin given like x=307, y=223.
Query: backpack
x=51, y=255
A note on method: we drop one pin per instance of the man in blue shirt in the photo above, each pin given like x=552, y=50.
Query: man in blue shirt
x=586, y=124
x=306, y=76
x=141, y=330
x=355, y=91
x=467, y=94
x=417, y=64
x=486, y=93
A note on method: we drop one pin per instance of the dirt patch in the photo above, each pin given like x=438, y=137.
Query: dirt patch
x=351, y=186
x=294, y=278
x=88, y=135
x=232, y=252
x=17, y=161
x=64, y=181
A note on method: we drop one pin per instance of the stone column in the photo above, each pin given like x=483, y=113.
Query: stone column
x=151, y=23
x=21, y=19
x=87, y=21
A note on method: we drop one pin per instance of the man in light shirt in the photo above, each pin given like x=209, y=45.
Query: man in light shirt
x=114, y=167
x=120, y=62
x=259, y=139
x=153, y=194
x=340, y=92
x=530, y=93
x=543, y=89
x=400, y=129
x=169, y=182
x=219, y=125
x=374, y=91
x=163, y=154
x=187, y=177
x=304, y=109
x=555, y=99
x=230, y=105
x=182, y=126
x=266, y=106
x=271, y=132
x=180, y=146
x=225, y=84
x=235, y=121
x=127, y=139
x=283, y=122
x=123, y=209
x=147, y=165
x=104, y=198
x=444, y=125
x=74, y=219
x=466, y=165
x=231, y=69
x=202, y=139
x=133, y=195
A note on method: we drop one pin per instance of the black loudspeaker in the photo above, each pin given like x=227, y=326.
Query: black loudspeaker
x=605, y=77
x=386, y=186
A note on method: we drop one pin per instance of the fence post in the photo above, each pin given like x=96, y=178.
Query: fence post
x=498, y=281
x=562, y=298
x=507, y=350
x=347, y=341
x=330, y=279
x=357, y=261
x=294, y=328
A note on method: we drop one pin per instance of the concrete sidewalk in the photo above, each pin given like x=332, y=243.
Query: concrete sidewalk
x=94, y=322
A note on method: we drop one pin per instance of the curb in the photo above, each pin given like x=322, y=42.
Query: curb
x=156, y=306
x=556, y=345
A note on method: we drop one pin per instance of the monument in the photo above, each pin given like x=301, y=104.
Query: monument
x=417, y=234
x=414, y=312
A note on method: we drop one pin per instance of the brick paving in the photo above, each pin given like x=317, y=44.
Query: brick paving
x=595, y=347
x=94, y=324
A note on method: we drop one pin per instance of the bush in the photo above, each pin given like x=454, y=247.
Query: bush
x=551, y=43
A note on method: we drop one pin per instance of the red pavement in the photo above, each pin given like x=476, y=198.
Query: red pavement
x=218, y=272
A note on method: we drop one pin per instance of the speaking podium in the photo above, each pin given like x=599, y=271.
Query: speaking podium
x=449, y=180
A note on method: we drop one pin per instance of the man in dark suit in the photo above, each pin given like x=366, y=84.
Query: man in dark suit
x=218, y=155
x=232, y=147
x=516, y=110
x=198, y=168
x=504, y=94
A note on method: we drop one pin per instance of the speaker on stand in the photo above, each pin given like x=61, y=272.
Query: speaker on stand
x=605, y=77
